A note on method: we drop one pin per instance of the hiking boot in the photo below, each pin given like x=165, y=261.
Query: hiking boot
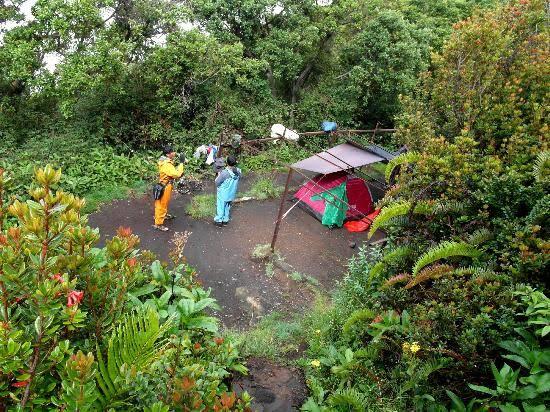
x=162, y=228
x=219, y=224
x=170, y=217
x=225, y=223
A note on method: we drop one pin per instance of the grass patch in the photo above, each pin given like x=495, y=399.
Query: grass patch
x=303, y=278
x=278, y=338
x=261, y=251
x=264, y=188
x=269, y=269
x=202, y=207
x=273, y=338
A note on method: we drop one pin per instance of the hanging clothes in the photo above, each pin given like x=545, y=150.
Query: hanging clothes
x=212, y=151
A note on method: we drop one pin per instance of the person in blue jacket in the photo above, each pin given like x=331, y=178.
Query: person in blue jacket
x=227, y=184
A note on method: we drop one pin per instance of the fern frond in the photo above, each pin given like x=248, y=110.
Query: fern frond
x=479, y=236
x=477, y=272
x=431, y=272
x=395, y=256
x=446, y=250
x=358, y=316
x=402, y=159
x=541, y=169
x=394, y=210
x=449, y=206
x=422, y=372
x=133, y=346
x=400, y=278
x=348, y=399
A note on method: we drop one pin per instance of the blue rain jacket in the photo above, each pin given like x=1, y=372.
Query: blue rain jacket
x=228, y=183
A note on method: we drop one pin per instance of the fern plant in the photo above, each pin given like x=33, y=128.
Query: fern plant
x=402, y=159
x=419, y=372
x=360, y=316
x=398, y=209
x=134, y=345
x=397, y=255
x=430, y=272
x=349, y=399
x=479, y=236
x=541, y=169
x=445, y=250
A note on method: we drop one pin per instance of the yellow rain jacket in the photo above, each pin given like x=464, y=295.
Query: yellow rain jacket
x=167, y=173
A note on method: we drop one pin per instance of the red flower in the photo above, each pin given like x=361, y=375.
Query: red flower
x=58, y=277
x=124, y=231
x=3, y=240
x=74, y=298
x=377, y=319
x=21, y=384
x=132, y=262
x=197, y=346
x=218, y=341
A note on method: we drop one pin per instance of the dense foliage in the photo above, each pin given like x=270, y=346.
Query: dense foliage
x=90, y=169
x=84, y=328
x=433, y=314
x=452, y=313
x=145, y=71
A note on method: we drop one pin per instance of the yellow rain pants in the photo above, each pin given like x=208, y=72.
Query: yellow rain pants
x=161, y=205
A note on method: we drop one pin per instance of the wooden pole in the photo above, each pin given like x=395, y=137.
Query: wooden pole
x=349, y=131
x=280, y=214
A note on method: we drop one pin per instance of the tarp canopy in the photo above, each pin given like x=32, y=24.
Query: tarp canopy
x=342, y=157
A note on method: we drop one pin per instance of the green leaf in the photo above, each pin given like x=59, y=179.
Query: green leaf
x=508, y=407
x=533, y=408
x=38, y=325
x=456, y=403
x=483, y=389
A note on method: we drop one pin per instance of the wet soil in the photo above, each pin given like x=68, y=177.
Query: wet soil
x=222, y=255
x=274, y=388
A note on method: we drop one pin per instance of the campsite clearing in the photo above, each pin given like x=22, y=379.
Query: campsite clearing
x=222, y=255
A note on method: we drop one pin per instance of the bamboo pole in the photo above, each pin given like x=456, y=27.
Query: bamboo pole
x=280, y=214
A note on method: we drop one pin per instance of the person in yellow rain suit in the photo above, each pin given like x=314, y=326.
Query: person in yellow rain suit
x=167, y=174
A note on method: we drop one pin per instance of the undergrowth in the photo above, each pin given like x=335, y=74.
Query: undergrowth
x=91, y=170
x=264, y=187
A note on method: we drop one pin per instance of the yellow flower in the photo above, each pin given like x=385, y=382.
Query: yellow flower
x=318, y=331
x=315, y=363
x=415, y=347
x=406, y=347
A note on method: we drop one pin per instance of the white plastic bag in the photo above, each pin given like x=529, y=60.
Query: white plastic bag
x=278, y=130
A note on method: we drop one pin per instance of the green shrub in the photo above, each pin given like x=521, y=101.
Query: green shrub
x=264, y=188
x=86, y=328
x=432, y=311
x=90, y=169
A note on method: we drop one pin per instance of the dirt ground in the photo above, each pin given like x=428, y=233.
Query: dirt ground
x=275, y=388
x=222, y=255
